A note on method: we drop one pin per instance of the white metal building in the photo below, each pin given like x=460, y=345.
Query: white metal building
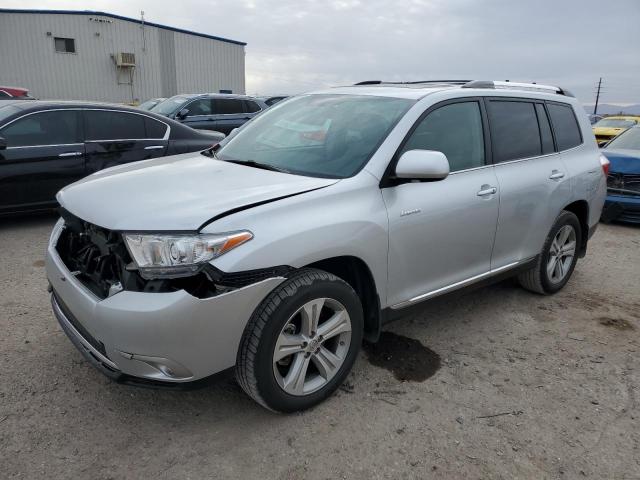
x=86, y=55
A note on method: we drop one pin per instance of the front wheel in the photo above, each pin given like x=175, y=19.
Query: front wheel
x=301, y=342
x=558, y=258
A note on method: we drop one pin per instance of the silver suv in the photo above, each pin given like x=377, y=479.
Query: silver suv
x=276, y=252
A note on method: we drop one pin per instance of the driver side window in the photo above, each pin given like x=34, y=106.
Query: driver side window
x=455, y=130
x=199, y=107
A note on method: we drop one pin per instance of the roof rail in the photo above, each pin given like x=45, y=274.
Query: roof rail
x=416, y=82
x=507, y=85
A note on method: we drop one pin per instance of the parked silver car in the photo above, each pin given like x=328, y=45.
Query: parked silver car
x=317, y=222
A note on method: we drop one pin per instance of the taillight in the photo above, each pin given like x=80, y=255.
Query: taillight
x=604, y=163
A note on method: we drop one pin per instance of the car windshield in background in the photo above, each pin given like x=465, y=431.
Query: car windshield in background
x=614, y=123
x=7, y=110
x=317, y=135
x=628, y=140
x=169, y=106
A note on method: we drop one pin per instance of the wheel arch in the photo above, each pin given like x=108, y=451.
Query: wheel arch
x=357, y=274
x=580, y=209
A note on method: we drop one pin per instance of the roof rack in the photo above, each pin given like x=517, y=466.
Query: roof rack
x=492, y=84
x=418, y=82
x=507, y=85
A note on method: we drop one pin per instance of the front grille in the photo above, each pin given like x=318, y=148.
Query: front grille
x=97, y=257
x=624, y=183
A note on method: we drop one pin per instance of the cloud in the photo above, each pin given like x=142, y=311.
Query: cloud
x=295, y=46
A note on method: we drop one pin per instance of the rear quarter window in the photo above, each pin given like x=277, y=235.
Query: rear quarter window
x=565, y=126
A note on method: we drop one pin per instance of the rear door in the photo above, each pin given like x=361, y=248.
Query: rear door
x=114, y=137
x=230, y=113
x=534, y=184
x=44, y=153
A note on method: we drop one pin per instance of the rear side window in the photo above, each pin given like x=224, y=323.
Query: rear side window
x=514, y=130
x=455, y=130
x=545, y=129
x=251, y=107
x=565, y=126
x=227, y=106
x=109, y=125
x=154, y=128
x=45, y=128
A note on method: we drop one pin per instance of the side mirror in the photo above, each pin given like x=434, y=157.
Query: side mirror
x=3, y=143
x=182, y=114
x=422, y=164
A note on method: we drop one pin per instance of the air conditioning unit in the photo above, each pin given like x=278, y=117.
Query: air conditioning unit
x=125, y=59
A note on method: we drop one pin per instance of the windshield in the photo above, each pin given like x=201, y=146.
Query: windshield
x=7, y=110
x=170, y=105
x=317, y=135
x=629, y=139
x=615, y=123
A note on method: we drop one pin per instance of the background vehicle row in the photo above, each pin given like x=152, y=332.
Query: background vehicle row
x=45, y=146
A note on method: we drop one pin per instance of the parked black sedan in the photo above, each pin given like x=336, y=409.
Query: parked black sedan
x=47, y=145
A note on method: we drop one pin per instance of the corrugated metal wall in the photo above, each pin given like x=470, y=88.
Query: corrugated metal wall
x=167, y=62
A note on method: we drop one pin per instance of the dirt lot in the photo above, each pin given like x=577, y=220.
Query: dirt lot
x=501, y=384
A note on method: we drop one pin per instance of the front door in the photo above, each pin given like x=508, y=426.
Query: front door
x=44, y=153
x=441, y=233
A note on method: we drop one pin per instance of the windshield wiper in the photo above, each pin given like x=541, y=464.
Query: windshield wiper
x=254, y=164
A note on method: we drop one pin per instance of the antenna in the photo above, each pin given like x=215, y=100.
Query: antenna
x=144, y=38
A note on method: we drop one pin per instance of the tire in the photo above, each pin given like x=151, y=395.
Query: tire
x=285, y=314
x=538, y=279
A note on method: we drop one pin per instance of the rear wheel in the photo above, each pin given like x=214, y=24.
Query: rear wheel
x=301, y=342
x=558, y=258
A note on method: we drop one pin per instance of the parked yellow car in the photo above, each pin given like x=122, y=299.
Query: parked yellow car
x=609, y=127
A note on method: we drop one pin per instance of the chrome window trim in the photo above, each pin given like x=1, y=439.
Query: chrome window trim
x=517, y=160
x=166, y=136
x=52, y=145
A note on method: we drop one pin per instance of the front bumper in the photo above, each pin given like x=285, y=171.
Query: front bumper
x=623, y=208
x=160, y=337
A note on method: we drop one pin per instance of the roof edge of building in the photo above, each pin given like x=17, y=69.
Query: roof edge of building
x=120, y=17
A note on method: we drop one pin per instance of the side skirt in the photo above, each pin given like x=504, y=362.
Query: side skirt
x=390, y=314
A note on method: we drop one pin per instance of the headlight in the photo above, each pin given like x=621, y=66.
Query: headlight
x=172, y=256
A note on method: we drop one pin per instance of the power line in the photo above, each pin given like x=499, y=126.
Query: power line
x=595, y=108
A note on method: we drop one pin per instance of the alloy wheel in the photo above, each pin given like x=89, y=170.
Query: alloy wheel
x=312, y=346
x=561, y=253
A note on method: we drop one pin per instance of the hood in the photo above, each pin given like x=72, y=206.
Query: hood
x=607, y=131
x=622, y=160
x=181, y=192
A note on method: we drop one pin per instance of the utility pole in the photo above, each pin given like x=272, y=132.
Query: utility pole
x=595, y=108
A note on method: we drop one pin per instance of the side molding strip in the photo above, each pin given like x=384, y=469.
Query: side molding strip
x=454, y=286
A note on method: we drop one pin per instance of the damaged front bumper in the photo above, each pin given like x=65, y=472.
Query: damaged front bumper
x=158, y=337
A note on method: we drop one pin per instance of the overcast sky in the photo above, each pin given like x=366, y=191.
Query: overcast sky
x=295, y=45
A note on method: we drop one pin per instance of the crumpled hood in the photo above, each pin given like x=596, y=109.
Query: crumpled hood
x=180, y=192
x=623, y=161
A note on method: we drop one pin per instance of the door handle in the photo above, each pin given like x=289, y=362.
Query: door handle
x=487, y=191
x=70, y=154
x=556, y=175
x=154, y=147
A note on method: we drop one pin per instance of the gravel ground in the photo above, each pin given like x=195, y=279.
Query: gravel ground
x=498, y=383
